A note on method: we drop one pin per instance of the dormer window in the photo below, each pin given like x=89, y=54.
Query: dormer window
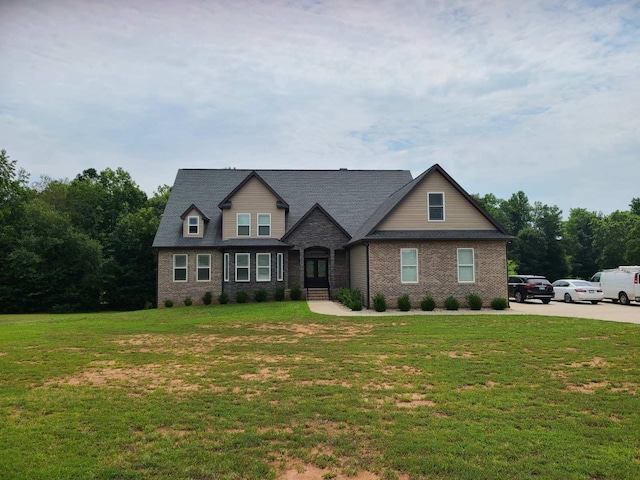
x=435, y=206
x=264, y=224
x=244, y=225
x=194, y=225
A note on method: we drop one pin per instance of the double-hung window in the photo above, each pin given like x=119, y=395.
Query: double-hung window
x=466, y=265
x=242, y=267
x=263, y=267
x=264, y=224
x=244, y=225
x=194, y=225
x=225, y=267
x=204, y=267
x=409, y=265
x=180, y=262
x=435, y=206
x=280, y=267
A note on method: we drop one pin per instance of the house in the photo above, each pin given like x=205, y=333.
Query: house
x=378, y=231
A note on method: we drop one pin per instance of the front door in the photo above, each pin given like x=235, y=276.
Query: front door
x=315, y=273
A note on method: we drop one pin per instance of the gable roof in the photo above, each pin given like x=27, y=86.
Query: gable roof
x=226, y=201
x=318, y=207
x=190, y=209
x=368, y=229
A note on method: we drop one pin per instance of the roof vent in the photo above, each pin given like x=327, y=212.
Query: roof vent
x=343, y=169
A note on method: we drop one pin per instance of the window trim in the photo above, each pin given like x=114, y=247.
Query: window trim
x=402, y=266
x=467, y=265
x=243, y=225
x=225, y=268
x=189, y=225
x=439, y=206
x=258, y=267
x=280, y=267
x=258, y=224
x=185, y=268
x=198, y=267
x=248, y=267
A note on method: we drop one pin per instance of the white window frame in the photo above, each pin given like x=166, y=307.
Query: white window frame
x=402, y=266
x=264, y=224
x=247, y=268
x=185, y=268
x=189, y=225
x=440, y=206
x=467, y=265
x=198, y=267
x=259, y=267
x=238, y=225
x=280, y=267
x=225, y=268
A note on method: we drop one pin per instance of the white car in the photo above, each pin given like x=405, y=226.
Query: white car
x=577, y=290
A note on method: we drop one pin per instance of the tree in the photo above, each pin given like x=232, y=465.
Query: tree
x=610, y=237
x=530, y=248
x=517, y=211
x=578, y=232
x=494, y=206
x=635, y=206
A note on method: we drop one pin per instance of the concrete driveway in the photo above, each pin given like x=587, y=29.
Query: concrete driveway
x=602, y=311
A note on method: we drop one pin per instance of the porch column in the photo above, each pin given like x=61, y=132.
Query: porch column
x=332, y=268
x=302, y=267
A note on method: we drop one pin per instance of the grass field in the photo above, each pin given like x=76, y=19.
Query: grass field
x=273, y=391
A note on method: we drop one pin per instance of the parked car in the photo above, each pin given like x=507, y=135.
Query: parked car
x=524, y=287
x=569, y=290
x=620, y=284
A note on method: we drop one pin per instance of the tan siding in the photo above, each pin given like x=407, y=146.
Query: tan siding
x=253, y=198
x=358, y=263
x=185, y=225
x=459, y=214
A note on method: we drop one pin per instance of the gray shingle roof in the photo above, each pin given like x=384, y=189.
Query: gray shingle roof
x=349, y=196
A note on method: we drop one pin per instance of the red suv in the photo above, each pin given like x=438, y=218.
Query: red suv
x=524, y=287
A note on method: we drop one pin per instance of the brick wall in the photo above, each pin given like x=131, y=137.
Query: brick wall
x=437, y=271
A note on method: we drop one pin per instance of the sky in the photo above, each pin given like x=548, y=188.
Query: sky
x=542, y=97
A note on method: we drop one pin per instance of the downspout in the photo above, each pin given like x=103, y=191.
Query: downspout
x=368, y=286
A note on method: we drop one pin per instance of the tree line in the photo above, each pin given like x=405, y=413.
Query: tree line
x=85, y=244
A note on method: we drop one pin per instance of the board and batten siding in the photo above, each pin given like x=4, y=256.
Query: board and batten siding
x=412, y=214
x=253, y=198
x=358, y=264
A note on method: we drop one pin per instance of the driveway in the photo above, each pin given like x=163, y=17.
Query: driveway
x=602, y=311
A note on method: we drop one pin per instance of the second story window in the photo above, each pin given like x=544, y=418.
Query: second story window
x=435, y=206
x=264, y=224
x=244, y=225
x=194, y=225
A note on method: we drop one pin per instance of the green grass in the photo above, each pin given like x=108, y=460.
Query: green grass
x=250, y=391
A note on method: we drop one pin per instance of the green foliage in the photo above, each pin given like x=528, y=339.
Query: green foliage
x=428, y=304
x=350, y=298
x=187, y=302
x=295, y=293
x=499, y=303
x=168, y=303
x=223, y=298
x=474, y=302
x=379, y=303
x=206, y=298
x=404, y=303
x=260, y=295
x=451, y=303
x=278, y=295
x=241, y=296
x=578, y=235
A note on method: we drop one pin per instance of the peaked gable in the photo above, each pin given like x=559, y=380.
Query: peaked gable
x=316, y=208
x=226, y=202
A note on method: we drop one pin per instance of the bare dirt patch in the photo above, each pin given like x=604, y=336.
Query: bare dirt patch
x=267, y=374
x=455, y=354
x=417, y=400
x=588, y=388
x=304, y=471
x=593, y=363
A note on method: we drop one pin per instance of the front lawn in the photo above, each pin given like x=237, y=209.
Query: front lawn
x=271, y=391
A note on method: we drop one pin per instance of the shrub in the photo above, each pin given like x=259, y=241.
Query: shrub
x=295, y=293
x=148, y=305
x=428, y=304
x=168, y=303
x=242, y=297
x=379, y=303
x=356, y=305
x=187, y=302
x=223, y=298
x=474, y=302
x=404, y=304
x=350, y=298
x=499, y=303
x=451, y=303
x=279, y=294
x=260, y=295
x=206, y=298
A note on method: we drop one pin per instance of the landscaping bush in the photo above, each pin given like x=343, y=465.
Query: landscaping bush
x=168, y=303
x=242, y=297
x=350, y=298
x=474, y=302
x=279, y=294
x=187, y=302
x=356, y=305
x=148, y=305
x=404, y=304
x=428, y=304
x=206, y=298
x=260, y=295
x=223, y=298
x=295, y=293
x=379, y=303
x=451, y=303
x=499, y=303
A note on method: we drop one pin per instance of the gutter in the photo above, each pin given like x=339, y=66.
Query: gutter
x=366, y=244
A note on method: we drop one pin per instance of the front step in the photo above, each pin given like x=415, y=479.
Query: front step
x=317, y=294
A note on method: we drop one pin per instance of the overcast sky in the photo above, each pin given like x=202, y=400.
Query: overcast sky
x=513, y=95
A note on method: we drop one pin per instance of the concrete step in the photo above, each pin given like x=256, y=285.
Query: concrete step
x=317, y=294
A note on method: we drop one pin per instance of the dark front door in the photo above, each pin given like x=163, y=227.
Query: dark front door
x=315, y=273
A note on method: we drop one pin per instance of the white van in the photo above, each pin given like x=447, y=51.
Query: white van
x=620, y=284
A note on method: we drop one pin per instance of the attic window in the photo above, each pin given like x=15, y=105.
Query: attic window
x=194, y=225
x=264, y=224
x=244, y=225
x=435, y=206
